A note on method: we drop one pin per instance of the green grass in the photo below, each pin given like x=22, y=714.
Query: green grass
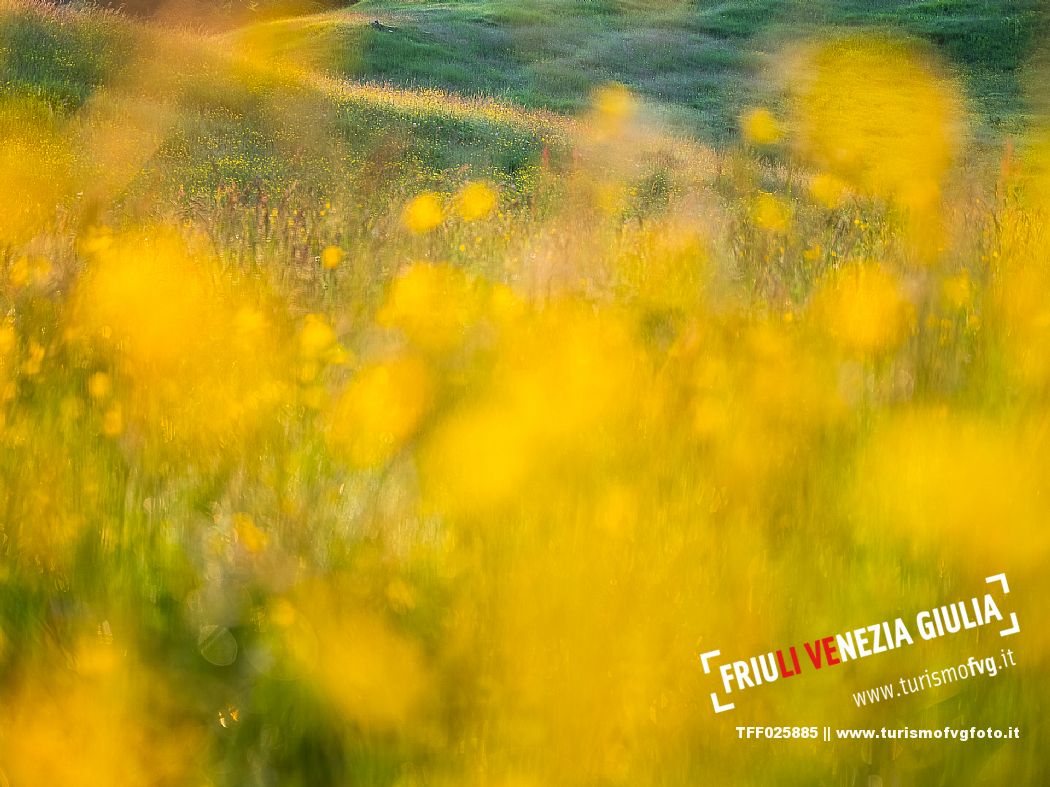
x=59, y=63
x=702, y=61
x=240, y=127
x=701, y=58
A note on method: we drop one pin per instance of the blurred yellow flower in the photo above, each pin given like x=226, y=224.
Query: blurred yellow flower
x=863, y=308
x=432, y=304
x=101, y=726
x=564, y=381
x=198, y=362
x=100, y=385
x=96, y=657
x=372, y=674
x=955, y=486
x=8, y=338
x=423, y=213
x=504, y=305
x=113, y=421
x=316, y=336
x=148, y=298
x=771, y=212
x=614, y=102
x=828, y=190
x=282, y=612
x=248, y=533
x=872, y=111
x=380, y=409
x=760, y=127
x=476, y=201
x=249, y=324
x=331, y=257
x=478, y=459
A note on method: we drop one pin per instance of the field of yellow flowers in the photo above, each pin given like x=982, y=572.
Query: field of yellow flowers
x=359, y=435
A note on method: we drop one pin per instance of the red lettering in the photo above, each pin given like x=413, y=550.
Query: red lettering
x=784, y=672
x=831, y=651
x=814, y=653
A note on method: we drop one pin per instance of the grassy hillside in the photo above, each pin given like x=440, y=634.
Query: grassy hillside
x=702, y=59
x=224, y=110
x=704, y=62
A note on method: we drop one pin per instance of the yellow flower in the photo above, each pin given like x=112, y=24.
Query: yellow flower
x=828, y=190
x=100, y=385
x=113, y=421
x=195, y=361
x=149, y=298
x=936, y=479
x=316, y=337
x=251, y=537
x=120, y=721
x=870, y=110
x=562, y=378
x=614, y=102
x=476, y=201
x=760, y=127
x=770, y=212
x=282, y=612
x=862, y=307
x=331, y=257
x=371, y=673
x=478, y=458
x=432, y=304
x=423, y=213
x=380, y=409
x=504, y=306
